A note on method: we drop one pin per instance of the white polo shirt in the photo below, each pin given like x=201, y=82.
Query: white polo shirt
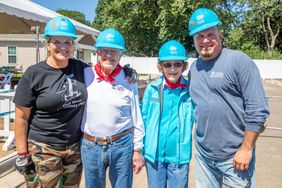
x=112, y=108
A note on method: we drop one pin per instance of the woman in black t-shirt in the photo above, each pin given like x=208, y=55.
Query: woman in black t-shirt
x=50, y=100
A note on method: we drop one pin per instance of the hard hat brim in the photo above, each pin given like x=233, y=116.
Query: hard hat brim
x=61, y=34
x=204, y=27
x=109, y=45
x=173, y=58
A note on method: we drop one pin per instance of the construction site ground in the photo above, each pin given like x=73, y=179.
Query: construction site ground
x=268, y=150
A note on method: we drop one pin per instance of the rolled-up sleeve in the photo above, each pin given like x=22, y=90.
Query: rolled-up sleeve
x=138, y=125
x=255, y=102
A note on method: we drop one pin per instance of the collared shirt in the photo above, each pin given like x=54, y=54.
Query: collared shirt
x=112, y=108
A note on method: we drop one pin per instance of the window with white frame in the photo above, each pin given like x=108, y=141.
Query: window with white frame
x=12, y=54
x=80, y=54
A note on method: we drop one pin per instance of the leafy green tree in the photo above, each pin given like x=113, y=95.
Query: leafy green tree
x=235, y=38
x=263, y=22
x=146, y=24
x=75, y=15
x=149, y=23
x=135, y=19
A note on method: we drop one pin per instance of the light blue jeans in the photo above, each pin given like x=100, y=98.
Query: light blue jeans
x=162, y=173
x=214, y=174
x=117, y=156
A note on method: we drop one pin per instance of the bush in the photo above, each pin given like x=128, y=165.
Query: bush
x=256, y=53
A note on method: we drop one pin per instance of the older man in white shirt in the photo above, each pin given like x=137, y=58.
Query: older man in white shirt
x=112, y=126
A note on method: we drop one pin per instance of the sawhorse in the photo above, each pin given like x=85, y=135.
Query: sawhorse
x=6, y=98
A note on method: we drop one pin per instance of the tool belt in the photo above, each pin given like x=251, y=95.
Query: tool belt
x=103, y=141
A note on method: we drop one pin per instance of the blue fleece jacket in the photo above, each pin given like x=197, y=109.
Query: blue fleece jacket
x=151, y=112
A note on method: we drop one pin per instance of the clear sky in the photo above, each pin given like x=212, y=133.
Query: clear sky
x=87, y=7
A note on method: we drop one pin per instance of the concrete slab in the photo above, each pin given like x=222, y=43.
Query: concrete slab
x=268, y=153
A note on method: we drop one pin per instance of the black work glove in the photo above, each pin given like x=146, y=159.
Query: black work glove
x=25, y=165
x=130, y=74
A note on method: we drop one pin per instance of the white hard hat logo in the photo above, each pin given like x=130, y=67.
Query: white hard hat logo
x=110, y=36
x=200, y=17
x=64, y=25
x=173, y=48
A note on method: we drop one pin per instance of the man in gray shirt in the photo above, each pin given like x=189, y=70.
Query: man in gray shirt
x=231, y=107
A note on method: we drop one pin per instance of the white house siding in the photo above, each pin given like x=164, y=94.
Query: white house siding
x=87, y=56
x=25, y=53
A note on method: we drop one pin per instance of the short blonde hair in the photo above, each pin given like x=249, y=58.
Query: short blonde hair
x=160, y=67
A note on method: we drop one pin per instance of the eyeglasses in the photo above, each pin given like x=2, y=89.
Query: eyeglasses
x=112, y=52
x=176, y=64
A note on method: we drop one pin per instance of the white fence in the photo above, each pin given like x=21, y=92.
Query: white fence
x=7, y=109
x=269, y=69
x=146, y=65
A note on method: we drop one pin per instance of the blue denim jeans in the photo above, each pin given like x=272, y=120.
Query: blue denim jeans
x=162, y=173
x=215, y=174
x=117, y=156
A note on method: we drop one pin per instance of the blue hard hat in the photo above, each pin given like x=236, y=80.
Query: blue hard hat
x=201, y=19
x=60, y=26
x=172, y=51
x=110, y=38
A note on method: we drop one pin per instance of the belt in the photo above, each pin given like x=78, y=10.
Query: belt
x=108, y=139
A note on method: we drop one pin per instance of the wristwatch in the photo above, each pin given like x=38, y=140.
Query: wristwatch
x=138, y=150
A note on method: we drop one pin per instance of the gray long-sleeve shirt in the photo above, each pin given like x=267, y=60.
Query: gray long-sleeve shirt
x=229, y=98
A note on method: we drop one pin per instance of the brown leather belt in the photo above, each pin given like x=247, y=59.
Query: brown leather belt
x=108, y=139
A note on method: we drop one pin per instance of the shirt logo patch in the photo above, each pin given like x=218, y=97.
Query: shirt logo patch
x=119, y=88
x=216, y=74
x=70, y=94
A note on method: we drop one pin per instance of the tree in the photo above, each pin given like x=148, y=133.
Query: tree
x=75, y=15
x=134, y=19
x=263, y=21
x=146, y=24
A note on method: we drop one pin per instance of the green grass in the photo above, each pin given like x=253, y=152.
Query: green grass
x=17, y=75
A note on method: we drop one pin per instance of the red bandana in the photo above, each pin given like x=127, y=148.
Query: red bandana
x=107, y=78
x=176, y=85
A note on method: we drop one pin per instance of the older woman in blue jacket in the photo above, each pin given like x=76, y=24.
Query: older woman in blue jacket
x=167, y=112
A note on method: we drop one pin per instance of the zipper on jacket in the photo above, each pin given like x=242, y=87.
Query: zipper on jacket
x=179, y=129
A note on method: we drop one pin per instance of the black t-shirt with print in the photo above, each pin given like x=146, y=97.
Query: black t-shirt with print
x=57, y=98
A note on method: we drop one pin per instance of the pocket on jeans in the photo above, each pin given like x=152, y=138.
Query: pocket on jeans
x=244, y=175
x=86, y=144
